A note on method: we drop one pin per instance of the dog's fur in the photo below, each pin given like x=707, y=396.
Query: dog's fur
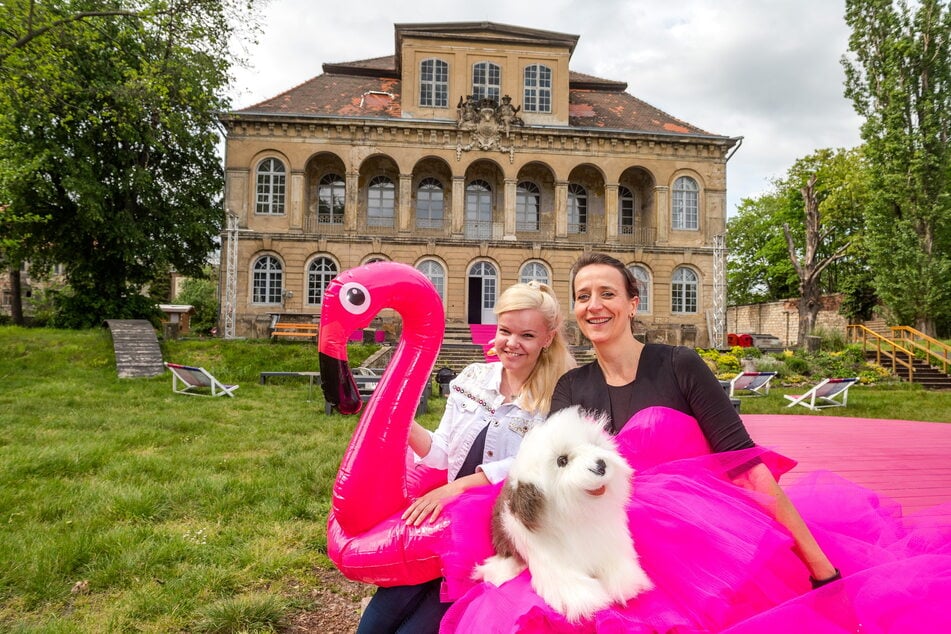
x=562, y=513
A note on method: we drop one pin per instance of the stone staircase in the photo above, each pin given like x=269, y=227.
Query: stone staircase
x=925, y=375
x=458, y=351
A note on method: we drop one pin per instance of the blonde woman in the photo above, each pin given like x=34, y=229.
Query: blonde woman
x=489, y=409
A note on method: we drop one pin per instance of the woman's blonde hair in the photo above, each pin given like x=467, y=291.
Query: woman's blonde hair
x=554, y=360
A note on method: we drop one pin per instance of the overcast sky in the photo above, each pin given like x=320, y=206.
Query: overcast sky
x=764, y=70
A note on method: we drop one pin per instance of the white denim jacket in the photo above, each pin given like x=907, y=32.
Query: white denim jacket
x=475, y=401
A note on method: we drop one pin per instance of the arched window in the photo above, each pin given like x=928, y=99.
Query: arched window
x=478, y=210
x=486, y=79
x=534, y=271
x=625, y=211
x=537, y=88
x=577, y=209
x=685, y=204
x=268, y=280
x=643, y=278
x=436, y=274
x=527, y=204
x=434, y=83
x=331, y=197
x=429, y=204
x=270, y=187
x=381, y=202
x=683, y=291
x=320, y=272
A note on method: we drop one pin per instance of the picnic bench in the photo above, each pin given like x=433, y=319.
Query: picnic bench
x=294, y=330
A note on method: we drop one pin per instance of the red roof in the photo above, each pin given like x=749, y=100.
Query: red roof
x=372, y=89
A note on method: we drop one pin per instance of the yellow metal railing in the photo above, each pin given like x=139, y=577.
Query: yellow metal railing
x=887, y=352
x=936, y=352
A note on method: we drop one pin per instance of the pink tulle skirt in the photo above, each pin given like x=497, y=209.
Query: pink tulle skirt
x=719, y=562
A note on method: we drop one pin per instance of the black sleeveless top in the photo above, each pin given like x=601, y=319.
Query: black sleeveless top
x=669, y=376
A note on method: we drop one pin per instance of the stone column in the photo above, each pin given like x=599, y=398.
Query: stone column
x=561, y=209
x=351, y=208
x=662, y=213
x=295, y=200
x=404, y=215
x=457, y=213
x=610, y=212
x=509, y=196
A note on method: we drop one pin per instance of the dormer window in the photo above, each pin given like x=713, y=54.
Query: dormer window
x=434, y=83
x=537, y=88
x=486, y=81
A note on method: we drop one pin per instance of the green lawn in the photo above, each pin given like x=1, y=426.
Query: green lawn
x=126, y=507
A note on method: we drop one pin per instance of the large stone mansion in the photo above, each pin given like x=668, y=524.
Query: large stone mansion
x=475, y=154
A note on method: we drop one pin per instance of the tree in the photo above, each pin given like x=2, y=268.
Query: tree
x=109, y=131
x=758, y=269
x=899, y=80
x=766, y=265
x=808, y=264
x=202, y=295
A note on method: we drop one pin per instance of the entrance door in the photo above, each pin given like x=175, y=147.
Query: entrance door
x=483, y=284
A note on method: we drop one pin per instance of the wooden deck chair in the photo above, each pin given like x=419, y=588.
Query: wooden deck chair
x=827, y=393
x=194, y=381
x=752, y=383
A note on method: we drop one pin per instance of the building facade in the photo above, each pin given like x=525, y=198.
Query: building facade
x=475, y=154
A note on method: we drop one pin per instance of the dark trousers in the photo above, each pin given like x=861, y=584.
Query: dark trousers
x=404, y=610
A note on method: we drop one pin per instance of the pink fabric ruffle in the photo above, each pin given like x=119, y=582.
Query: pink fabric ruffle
x=718, y=559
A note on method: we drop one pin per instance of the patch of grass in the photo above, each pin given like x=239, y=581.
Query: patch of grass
x=246, y=613
x=171, y=512
x=126, y=507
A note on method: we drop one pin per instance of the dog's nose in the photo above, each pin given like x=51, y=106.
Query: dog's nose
x=600, y=467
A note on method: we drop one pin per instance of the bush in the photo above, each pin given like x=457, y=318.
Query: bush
x=830, y=340
x=202, y=294
x=724, y=362
x=797, y=365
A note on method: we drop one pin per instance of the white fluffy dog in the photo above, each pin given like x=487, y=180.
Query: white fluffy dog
x=562, y=513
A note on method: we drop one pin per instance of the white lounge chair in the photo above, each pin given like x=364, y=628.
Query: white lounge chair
x=753, y=383
x=827, y=393
x=194, y=381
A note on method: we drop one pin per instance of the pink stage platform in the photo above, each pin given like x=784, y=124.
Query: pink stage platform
x=908, y=461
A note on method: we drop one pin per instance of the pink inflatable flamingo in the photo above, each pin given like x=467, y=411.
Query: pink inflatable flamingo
x=366, y=537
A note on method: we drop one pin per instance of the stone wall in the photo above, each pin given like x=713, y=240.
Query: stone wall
x=781, y=319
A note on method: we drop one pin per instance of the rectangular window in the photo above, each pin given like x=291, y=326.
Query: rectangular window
x=434, y=83
x=537, y=88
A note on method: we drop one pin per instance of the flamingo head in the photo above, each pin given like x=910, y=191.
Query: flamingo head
x=351, y=301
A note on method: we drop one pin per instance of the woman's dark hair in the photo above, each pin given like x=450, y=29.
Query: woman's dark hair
x=630, y=282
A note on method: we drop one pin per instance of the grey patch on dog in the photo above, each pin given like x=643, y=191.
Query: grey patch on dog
x=500, y=540
x=527, y=504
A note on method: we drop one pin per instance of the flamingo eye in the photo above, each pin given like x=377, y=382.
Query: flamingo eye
x=355, y=298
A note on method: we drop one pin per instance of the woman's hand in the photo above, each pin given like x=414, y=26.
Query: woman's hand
x=428, y=507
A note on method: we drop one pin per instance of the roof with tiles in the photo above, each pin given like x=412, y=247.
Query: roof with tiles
x=372, y=89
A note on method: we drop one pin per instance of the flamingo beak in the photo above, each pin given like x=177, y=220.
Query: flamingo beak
x=338, y=385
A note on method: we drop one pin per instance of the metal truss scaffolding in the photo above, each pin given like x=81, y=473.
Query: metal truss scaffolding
x=718, y=334
x=231, y=277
